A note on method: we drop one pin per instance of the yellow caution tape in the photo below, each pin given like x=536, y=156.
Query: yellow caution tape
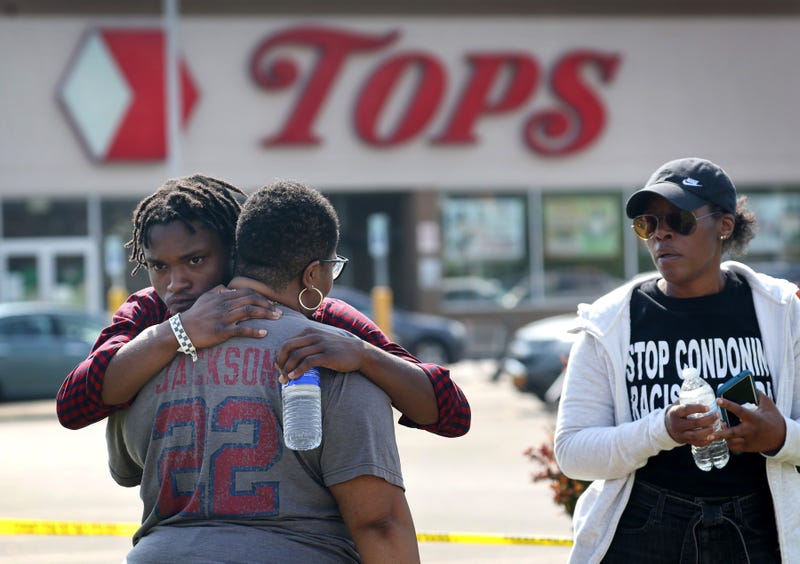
x=73, y=528
x=67, y=528
x=481, y=538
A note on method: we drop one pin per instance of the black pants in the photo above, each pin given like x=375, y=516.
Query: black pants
x=661, y=526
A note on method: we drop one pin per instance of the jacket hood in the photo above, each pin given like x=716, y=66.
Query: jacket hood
x=601, y=315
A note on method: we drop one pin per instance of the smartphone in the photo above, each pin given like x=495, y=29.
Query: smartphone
x=740, y=389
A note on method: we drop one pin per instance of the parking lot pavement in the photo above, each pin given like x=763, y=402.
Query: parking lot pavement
x=22, y=410
x=482, y=483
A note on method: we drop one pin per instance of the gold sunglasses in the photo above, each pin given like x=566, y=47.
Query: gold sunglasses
x=682, y=222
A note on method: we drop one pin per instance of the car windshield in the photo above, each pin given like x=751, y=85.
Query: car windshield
x=24, y=325
x=550, y=328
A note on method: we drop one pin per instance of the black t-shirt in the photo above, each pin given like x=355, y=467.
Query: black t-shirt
x=717, y=334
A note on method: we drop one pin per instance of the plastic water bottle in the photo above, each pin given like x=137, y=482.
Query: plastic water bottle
x=697, y=390
x=302, y=412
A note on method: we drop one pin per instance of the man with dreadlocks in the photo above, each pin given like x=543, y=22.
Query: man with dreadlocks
x=184, y=236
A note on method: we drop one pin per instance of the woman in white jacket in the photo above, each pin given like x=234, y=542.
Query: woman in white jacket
x=620, y=423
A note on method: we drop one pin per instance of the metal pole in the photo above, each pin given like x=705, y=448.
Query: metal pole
x=173, y=97
x=378, y=243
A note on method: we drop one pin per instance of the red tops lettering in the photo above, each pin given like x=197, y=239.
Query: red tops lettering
x=497, y=83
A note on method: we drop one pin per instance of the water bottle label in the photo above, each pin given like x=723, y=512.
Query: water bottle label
x=310, y=376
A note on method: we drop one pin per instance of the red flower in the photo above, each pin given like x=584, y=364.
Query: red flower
x=566, y=491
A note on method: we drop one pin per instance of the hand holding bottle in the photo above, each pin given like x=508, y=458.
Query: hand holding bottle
x=697, y=391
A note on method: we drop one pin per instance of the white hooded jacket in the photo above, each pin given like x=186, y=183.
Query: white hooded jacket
x=597, y=439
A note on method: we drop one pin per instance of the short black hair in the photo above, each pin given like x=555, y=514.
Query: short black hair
x=284, y=227
x=212, y=202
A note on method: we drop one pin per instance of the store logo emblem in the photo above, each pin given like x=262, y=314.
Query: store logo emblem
x=114, y=94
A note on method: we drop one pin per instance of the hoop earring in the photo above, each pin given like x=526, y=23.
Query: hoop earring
x=304, y=306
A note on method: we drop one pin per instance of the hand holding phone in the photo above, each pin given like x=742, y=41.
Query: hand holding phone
x=740, y=389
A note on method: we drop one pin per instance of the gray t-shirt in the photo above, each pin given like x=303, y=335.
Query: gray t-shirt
x=205, y=442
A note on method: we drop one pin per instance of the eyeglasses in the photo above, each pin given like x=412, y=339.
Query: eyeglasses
x=682, y=222
x=338, y=265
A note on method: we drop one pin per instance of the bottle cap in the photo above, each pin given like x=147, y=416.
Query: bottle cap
x=690, y=372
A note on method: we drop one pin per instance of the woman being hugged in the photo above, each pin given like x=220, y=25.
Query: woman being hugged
x=620, y=421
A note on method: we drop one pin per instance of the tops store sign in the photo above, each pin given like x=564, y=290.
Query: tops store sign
x=113, y=93
x=499, y=82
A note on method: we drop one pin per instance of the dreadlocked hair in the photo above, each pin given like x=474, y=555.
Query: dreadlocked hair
x=212, y=202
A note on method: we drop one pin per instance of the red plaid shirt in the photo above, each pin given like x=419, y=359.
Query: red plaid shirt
x=79, y=402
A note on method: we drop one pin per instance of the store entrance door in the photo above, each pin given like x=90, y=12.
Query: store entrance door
x=61, y=270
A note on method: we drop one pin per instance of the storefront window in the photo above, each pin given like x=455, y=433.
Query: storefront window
x=485, y=252
x=778, y=236
x=46, y=251
x=21, y=281
x=70, y=283
x=488, y=259
x=45, y=217
x=582, y=240
x=118, y=227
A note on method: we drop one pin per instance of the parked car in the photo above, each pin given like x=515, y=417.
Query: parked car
x=787, y=270
x=40, y=344
x=577, y=283
x=430, y=338
x=469, y=292
x=537, y=354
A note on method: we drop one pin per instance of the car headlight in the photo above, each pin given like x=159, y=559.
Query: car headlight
x=458, y=330
x=520, y=348
x=514, y=368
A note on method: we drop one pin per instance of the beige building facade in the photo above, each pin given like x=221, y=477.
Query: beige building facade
x=497, y=148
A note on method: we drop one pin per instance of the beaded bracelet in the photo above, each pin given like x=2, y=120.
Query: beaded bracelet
x=185, y=344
